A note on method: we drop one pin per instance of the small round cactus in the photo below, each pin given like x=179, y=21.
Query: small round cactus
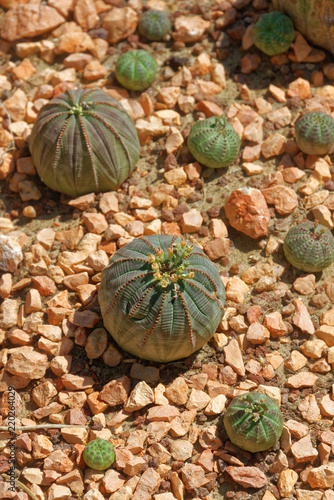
x=214, y=142
x=309, y=246
x=136, y=69
x=314, y=133
x=99, y=454
x=161, y=298
x=273, y=33
x=154, y=25
x=254, y=422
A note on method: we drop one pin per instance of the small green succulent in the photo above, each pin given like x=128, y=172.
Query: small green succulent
x=254, y=422
x=99, y=454
x=214, y=142
x=309, y=246
x=136, y=69
x=273, y=33
x=154, y=25
x=314, y=133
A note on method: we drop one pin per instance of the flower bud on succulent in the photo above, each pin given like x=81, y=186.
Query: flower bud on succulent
x=154, y=25
x=99, y=454
x=273, y=33
x=314, y=133
x=254, y=422
x=166, y=313
x=136, y=69
x=309, y=246
x=214, y=142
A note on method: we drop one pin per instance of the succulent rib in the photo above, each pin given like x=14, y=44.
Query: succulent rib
x=190, y=330
x=58, y=147
x=148, y=333
x=123, y=286
x=89, y=149
x=113, y=130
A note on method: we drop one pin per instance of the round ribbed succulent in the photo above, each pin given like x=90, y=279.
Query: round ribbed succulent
x=154, y=25
x=314, y=133
x=84, y=141
x=99, y=454
x=136, y=69
x=309, y=246
x=161, y=298
x=273, y=33
x=214, y=142
x=254, y=422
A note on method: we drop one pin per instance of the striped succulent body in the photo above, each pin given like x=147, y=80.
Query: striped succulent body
x=313, y=18
x=309, y=246
x=273, y=33
x=161, y=298
x=214, y=142
x=154, y=25
x=84, y=141
x=99, y=454
x=254, y=422
x=314, y=133
x=136, y=69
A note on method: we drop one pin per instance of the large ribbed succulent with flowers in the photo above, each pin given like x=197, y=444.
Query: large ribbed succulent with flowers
x=161, y=298
x=83, y=141
x=273, y=33
x=254, y=422
x=309, y=246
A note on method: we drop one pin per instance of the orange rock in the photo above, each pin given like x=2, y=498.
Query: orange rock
x=169, y=96
x=299, y=88
x=301, y=47
x=189, y=29
x=120, y=23
x=29, y=21
x=273, y=145
x=64, y=7
x=317, y=78
x=24, y=71
x=247, y=211
x=277, y=93
x=209, y=108
x=16, y=105
x=249, y=63
x=284, y=198
x=94, y=70
x=85, y=14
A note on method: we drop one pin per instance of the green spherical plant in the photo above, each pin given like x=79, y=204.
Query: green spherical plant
x=99, y=454
x=214, y=142
x=161, y=298
x=154, y=25
x=254, y=422
x=314, y=133
x=136, y=69
x=309, y=246
x=84, y=141
x=273, y=33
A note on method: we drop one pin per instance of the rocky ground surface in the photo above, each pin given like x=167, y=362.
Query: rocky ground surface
x=277, y=333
